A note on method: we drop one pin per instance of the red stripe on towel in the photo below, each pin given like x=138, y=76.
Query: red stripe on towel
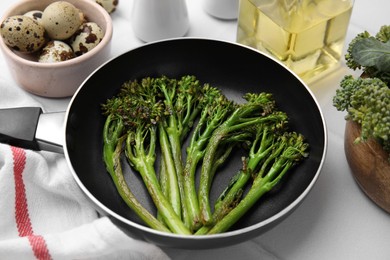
x=22, y=217
x=21, y=211
x=39, y=247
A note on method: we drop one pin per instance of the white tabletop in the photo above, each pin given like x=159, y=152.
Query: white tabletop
x=336, y=220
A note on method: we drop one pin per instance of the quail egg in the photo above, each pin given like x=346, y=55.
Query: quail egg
x=61, y=20
x=35, y=15
x=86, y=38
x=56, y=51
x=22, y=33
x=109, y=5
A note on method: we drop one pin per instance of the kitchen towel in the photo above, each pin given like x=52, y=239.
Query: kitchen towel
x=44, y=214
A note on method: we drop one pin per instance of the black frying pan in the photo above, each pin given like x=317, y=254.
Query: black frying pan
x=233, y=68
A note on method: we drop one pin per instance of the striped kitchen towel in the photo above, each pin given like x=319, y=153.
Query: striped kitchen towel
x=44, y=215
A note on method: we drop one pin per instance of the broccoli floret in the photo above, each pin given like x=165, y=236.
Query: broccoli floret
x=351, y=63
x=384, y=33
x=367, y=102
x=366, y=99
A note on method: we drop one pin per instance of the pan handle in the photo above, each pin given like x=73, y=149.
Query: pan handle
x=28, y=127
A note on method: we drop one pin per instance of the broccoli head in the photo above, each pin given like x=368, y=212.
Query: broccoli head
x=384, y=33
x=350, y=61
x=367, y=102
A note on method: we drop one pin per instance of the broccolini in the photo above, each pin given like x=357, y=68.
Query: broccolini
x=367, y=99
x=151, y=118
x=258, y=108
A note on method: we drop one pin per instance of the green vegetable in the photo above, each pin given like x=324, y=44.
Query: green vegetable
x=289, y=150
x=264, y=141
x=154, y=116
x=216, y=108
x=182, y=105
x=384, y=34
x=367, y=102
x=141, y=112
x=371, y=54
x=113, y=142
x=259, y=108
x=367, y=99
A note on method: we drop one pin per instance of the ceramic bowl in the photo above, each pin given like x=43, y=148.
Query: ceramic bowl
x=59, y=79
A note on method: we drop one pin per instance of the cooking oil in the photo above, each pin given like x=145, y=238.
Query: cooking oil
x=307, y=35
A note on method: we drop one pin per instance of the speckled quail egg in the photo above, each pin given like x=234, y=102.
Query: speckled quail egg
x=35, y=15
x=56, y=51
x=109, y=5
x=61, y=20
x=86, y=38
x=22, y=33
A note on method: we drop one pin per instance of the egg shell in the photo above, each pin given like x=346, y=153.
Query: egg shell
x=61, y=20
x=22, y=33
x=109, y=5
x=56, y=51
x=35, y=15
x=87, y=37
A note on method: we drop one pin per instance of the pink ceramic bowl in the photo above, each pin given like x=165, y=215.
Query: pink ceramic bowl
x=59, y=79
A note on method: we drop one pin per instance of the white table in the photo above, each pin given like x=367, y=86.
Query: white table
x=336, y=220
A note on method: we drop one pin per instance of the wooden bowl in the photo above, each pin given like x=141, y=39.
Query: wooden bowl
x=369, y=164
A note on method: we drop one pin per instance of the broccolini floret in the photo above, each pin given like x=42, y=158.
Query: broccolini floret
x=367, y=99
x=367, y=102
x=351, y=63
x=384, y=34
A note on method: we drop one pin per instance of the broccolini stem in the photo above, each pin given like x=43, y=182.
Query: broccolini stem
x=254, y=194
x=216, y=109
x=171, y=189
x=112, y=130
x=173, y=129
x=195, y=152
x=290, y=151
x=259, y=188
x=261, y=147
x=232, y=194
x=163, y=178
x=175, y=144
x=143, y=161
x=206, y=178
x=191, y=200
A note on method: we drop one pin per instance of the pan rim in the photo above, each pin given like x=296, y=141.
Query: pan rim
x=227, y=234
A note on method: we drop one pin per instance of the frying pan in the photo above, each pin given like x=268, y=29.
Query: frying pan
x=235, y=69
